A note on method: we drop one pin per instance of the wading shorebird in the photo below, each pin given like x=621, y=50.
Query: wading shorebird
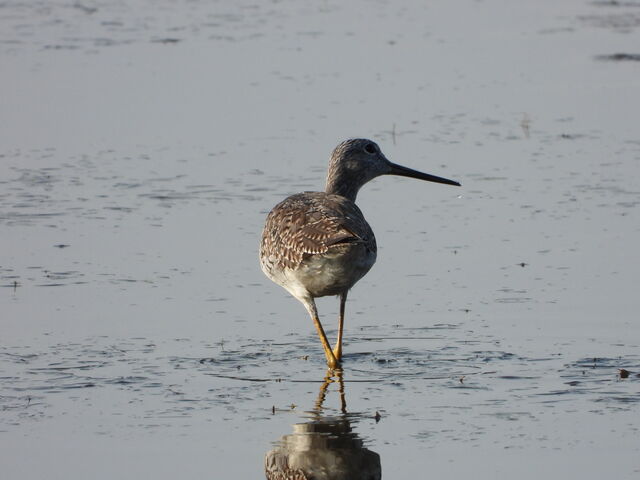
x=316, y=244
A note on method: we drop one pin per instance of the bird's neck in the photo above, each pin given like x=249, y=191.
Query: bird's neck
x=341, y=181
x=346, y=190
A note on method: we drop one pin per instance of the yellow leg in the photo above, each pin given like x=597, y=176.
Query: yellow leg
x=332, y=362
x=337, y=351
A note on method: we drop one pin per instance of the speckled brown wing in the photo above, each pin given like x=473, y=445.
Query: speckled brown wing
x=311, y=223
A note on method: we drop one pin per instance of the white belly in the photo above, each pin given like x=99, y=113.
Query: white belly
x=325, y=274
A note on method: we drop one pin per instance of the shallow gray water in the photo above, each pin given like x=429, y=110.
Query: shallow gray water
x=142, y=145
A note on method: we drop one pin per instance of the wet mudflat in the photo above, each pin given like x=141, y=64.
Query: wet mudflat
x=143, y=145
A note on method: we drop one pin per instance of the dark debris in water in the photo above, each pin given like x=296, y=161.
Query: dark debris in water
x=616, y=3
x=571, y=136
x=166, y=40
x=620, y=22
x=619, y=57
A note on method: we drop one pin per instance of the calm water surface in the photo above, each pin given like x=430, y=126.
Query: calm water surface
x=142, y=145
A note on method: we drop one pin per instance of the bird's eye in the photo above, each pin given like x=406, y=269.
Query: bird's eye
x=370, y=148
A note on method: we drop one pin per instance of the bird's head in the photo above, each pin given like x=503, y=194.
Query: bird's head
x=356, y=161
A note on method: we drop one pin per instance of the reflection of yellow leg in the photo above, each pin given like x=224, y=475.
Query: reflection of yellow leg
x=330, y=377
x=323, y=390
x=343, y=400
x=332, y=362
x=337, y=351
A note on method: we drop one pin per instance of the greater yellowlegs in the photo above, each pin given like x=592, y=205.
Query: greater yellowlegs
x=316, y=244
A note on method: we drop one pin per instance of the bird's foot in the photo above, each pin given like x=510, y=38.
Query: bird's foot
x=333, y=363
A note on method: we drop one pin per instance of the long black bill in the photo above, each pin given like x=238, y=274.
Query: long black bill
x=409, y=172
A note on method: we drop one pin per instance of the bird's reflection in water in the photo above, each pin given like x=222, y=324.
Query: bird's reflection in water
x=325, y=448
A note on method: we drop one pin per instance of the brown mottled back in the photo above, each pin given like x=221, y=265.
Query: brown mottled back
x=311, y=223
